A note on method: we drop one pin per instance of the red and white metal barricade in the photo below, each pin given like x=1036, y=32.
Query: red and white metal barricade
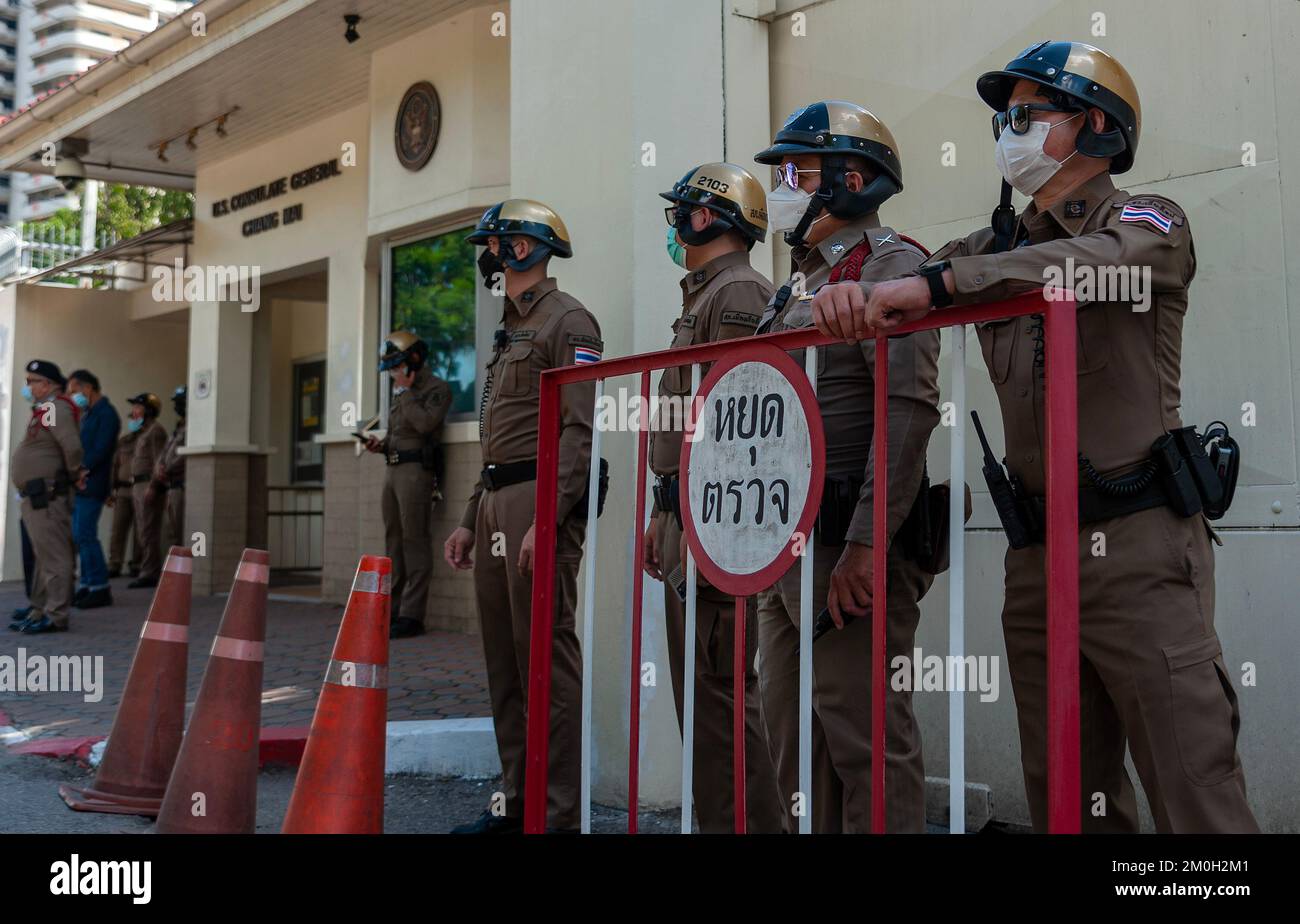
x=1063, y=776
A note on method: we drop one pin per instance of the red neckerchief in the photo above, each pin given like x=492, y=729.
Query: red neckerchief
x=38, y=413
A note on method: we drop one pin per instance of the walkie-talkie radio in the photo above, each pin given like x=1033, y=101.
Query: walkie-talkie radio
x=1002, y=493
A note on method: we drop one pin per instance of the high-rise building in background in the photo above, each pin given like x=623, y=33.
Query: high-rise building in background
x=44, y=44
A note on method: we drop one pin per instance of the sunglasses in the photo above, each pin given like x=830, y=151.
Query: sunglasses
x=1018, y=117
x=788, y=175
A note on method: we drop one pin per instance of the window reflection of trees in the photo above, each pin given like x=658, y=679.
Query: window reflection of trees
x=433, y=295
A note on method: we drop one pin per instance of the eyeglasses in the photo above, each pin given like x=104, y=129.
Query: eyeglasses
x=680, y=211
x=788, y=175
x=1018, y=117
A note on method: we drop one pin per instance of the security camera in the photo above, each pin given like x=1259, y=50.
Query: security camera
x=69, y=170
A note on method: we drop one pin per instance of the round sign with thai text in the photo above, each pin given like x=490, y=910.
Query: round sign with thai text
x=751, y=469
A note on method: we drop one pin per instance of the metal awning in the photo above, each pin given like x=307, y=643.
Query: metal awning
x=138, y=250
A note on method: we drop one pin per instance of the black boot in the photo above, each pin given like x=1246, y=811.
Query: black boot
x=487, y=823
x=143, y=582
x=404, y=627
x=93, y=600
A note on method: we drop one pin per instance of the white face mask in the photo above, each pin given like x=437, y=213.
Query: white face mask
x=1021, y=158
x=786, y=208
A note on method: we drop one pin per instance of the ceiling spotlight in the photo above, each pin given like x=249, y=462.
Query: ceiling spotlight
x=162, y=152
x=351, y=34
x=189, y=140
x=221, y=126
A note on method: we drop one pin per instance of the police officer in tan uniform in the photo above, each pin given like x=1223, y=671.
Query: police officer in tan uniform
x=147, y=499
x=1066, y=116
x=543, y=328
x=169, y=475
x=123, y=510
x=45, y=468
x=836, y=163
x=415, y=417
x=718, y=213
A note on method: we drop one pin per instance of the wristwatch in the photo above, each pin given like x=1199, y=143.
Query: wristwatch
x=933, y=273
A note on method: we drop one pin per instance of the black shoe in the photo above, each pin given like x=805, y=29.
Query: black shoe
x=134, y=572
x=405, y=628
x=143, y=582
x=487, y=823
x=114, y=573
x=94, y=599
x=20, y=615
x=40, y=625
x=81, y=592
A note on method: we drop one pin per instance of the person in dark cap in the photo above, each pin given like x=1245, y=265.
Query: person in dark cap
x=45, y=468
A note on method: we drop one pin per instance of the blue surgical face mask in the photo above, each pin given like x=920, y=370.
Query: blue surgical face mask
x=134, y=424
x=27, y=393
x=80, y=400
x=676, y=252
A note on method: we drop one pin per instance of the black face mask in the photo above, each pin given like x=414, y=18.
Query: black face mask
x=691, y=237
x=489, y=264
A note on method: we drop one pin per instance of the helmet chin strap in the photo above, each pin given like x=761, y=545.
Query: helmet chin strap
x=539, y=253
x=815, y=207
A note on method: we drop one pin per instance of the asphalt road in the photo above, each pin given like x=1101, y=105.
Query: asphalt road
x=30, y=803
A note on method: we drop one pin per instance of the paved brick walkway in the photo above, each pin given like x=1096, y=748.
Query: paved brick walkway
x=435, y=676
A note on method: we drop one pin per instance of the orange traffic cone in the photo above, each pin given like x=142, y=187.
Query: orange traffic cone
x=213, y=789
x=340, y=786
x=151, y=716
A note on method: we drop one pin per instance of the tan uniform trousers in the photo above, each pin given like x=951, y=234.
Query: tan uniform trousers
x=175, y=534
x=1151, y=676
x=713, y=784
x=408, y=536
x=50, y=531
x=841, y=778
x=505, y=599
x=123, y=532
x=148, y=529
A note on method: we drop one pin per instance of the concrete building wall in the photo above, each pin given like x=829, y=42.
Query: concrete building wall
x=73, y=328
x=1196, y=64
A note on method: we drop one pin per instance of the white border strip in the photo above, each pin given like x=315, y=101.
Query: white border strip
x=957, y=586
x=588, y=608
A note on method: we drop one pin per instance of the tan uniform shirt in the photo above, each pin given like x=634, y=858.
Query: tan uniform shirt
x=122, y=457
x=149, y=445
x=846, y=379
x=544, y=328
x=52, y=444
x=417, y=414
x=173, y=462
x=1129, y=356
x=722, y=300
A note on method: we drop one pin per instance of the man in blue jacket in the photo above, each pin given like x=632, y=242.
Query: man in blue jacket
x=99, y=428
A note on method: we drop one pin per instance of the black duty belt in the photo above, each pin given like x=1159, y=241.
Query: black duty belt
x=1095, y=506
x=175, y=485
x=496, y=477
x=667, y=495
x=402, y=456
x=140, y=479
x=121, y=484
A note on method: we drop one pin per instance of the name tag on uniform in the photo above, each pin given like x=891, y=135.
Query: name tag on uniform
x=739, y=317
x=688, y=321
x=517, y=335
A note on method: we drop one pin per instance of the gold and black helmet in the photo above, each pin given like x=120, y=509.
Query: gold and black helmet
x=403, y=347
x=529, y=218
x=732, y=193
x=1087, y=77
x=151, y=403
x=486, y=226
x=834, y=126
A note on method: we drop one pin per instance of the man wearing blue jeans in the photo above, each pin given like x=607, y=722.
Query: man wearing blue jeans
x=99, y=428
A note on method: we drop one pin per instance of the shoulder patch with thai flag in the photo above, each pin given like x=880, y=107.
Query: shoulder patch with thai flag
x=586, y=348
x=1148, y=214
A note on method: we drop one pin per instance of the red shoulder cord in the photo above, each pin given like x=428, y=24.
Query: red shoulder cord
x=38, y=414
x=850, y=265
